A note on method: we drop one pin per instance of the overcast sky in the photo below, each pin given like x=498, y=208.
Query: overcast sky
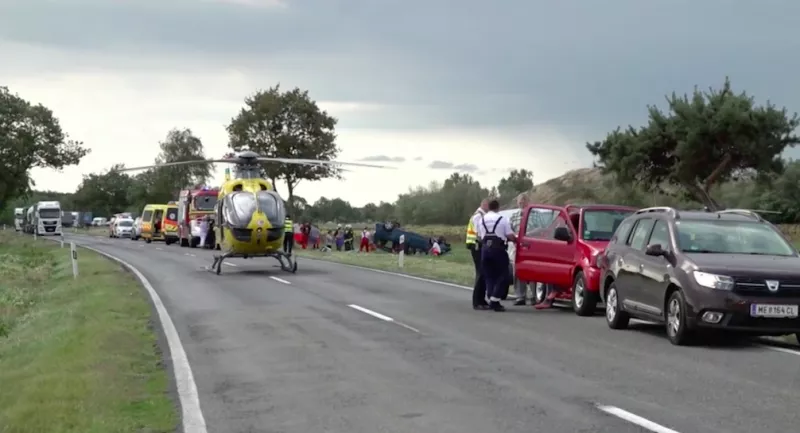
x=451, y=84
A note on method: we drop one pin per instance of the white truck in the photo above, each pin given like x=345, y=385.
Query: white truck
x=47, y=218
x=19, y=218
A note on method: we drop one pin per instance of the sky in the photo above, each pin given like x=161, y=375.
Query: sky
x=429, y=87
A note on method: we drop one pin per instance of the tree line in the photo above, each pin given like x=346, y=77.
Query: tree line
x=714, y=148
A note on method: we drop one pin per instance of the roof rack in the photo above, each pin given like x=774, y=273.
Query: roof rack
x=672, y=212
x=743, y=212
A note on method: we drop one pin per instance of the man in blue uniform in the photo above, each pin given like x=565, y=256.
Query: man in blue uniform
x=494, y=232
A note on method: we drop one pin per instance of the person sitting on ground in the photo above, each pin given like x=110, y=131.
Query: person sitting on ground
x=436, y=250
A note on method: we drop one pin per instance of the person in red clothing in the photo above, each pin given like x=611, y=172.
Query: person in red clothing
x=364, y=246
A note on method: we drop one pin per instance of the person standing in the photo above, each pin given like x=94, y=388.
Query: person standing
x=494, y=233
x=288, y=234
x=474, y=245
x=364, y=245
x=203, y=231
x=520, y=287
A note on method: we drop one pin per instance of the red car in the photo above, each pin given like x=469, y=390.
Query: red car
x=560, y=246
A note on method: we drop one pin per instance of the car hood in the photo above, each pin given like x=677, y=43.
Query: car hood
x=744, y=265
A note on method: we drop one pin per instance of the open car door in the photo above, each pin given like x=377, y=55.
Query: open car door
x=546, y=247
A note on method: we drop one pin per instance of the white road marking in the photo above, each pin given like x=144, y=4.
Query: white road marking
x=381, y=316
x=230, y=264
x=779, y=349
x=192, y=419
x=635, y=419
x=159, y=248
x=370, y=312
x=280, y=280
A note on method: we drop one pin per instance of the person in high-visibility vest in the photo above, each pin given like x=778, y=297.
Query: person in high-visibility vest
x=479, y=301
x=288, y=235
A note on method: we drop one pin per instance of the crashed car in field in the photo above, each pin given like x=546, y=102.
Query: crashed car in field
x=390, y=232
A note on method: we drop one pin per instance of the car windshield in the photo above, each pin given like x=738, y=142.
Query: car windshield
x=125, y=223
x=600, y=225
x=731, y=237
x=205, y=202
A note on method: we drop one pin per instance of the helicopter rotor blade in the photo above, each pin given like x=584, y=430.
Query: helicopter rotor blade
x=172, y=164
x=320, y=162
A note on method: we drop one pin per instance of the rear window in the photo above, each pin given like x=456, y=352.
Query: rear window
x=731, y=237
x=147, y=215
x=172, y=214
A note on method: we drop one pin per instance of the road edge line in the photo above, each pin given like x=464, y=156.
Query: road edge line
x=192, y=418
x=397, y=274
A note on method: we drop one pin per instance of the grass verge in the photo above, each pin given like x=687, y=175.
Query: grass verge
x=76, y=355
x=452, y=268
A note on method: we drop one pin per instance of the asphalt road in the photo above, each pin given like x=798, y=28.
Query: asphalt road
x=340, y=349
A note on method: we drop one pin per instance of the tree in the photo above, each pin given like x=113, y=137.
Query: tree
x=286, y=125
x=517, y=182
x=105, y=194
x=701, y=141
x=30, y=136
x=166, y=182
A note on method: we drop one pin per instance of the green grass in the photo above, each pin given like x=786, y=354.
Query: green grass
x=76, y=355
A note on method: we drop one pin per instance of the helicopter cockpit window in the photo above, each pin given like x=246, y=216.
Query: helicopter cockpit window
x=272, y=206
x=239, y=208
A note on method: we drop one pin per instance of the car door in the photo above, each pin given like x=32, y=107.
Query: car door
x=611, y=257
x=540, y=257
x=631, y=284
x=655, y=270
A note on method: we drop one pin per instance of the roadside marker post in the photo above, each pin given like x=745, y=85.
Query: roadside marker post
x=74, y=255
x=35, y=236
x=62, y=239
x=401, y=256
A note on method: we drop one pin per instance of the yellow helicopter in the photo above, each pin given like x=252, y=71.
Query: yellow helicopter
x=249, y=214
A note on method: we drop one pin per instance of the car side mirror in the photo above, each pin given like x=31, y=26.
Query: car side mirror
x=562, y=234
x=655, y=250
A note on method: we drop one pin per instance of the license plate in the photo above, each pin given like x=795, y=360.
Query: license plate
x=772, y=310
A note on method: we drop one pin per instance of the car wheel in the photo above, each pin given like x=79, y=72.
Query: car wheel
x=539, y=293
x=616, y=318
x=584, y=302
x=148, y=240
x=678, y=332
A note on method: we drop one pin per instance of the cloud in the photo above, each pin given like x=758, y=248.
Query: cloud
x=383, y=158
x=467, y=168
x=521, y=68
x=531, y=80
x=441, y=165
x=444, y=165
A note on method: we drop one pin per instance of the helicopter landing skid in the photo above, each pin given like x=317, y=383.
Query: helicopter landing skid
x=216, y=267
x=288, y=264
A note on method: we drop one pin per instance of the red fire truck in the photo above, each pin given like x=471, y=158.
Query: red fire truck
x=193, y=205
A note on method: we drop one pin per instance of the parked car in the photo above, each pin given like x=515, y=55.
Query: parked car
x=136, y=232
x=692, y=271
x=560, y=246
x=122, y=228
